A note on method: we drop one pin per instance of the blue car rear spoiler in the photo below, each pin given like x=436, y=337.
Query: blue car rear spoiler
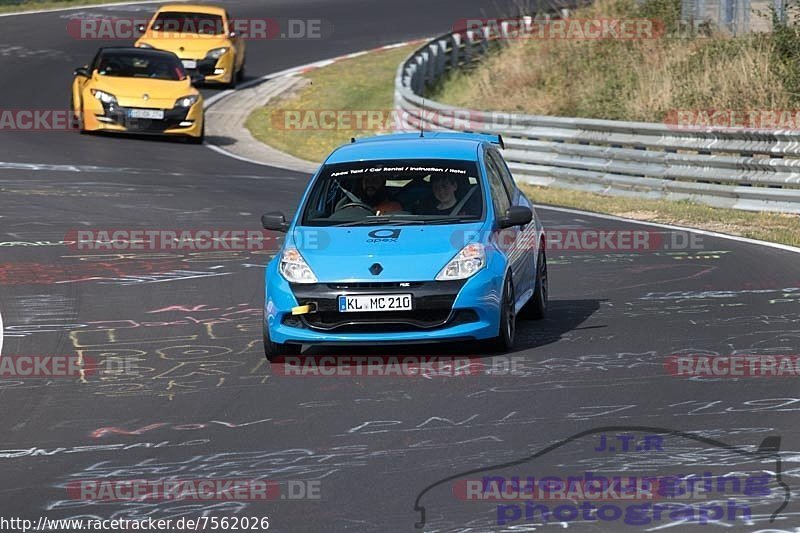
x=479, y=137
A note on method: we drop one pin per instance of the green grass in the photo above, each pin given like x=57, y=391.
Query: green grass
x=363, y=83
x=773, y=227
x=14, y=6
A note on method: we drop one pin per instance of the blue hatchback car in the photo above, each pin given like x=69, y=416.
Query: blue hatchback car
x=404, y=239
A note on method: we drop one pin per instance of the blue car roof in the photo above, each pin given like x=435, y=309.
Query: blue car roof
x=434, y=145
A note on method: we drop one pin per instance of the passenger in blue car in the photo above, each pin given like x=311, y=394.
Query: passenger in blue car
x=444, y=191
x=451, y=197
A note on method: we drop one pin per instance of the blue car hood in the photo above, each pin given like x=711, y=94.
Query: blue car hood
x=405, y=253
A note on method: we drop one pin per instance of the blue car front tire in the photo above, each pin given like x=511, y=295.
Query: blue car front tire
x=536, y=308
x=275, y=349
x=504, y=342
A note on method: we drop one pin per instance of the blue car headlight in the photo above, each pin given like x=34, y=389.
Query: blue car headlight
x=294, y=268
x=467, y=262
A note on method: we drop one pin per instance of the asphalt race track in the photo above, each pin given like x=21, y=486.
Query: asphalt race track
x=204, y=403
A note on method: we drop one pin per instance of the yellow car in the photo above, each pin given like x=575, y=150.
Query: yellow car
x=137, y=91
x=202, y=37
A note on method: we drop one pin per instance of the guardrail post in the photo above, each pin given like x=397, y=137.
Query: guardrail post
x=468, y=42
x=419, y=79
x=430, y=65
x=483, y=41
x=455, y=52
x=441, y=57
x=528, y=23
x=504, y=30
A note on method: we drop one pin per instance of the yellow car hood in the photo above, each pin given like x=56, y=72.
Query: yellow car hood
x=130, y=91
x=194, y=47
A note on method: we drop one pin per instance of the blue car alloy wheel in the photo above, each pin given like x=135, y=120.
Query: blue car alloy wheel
x=402, y=239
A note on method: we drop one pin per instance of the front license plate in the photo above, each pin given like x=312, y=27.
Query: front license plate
x=156, y=114
x=189, y=63
x=375, y=302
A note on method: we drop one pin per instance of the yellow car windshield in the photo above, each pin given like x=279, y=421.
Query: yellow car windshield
x=158, y=66
x=180, y=22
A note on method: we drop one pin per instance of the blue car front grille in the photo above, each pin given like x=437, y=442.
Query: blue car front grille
x=380, y=322
x=376, y=285
x=432, y=301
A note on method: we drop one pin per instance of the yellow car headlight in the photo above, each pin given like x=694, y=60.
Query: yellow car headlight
x=187, y=101
x=216, y=53
x=106, y=98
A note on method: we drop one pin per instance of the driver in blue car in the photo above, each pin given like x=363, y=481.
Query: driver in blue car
x=375, y=195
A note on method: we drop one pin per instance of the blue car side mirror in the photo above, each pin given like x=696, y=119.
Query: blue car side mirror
x=518, y=215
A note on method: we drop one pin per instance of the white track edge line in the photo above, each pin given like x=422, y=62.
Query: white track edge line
x=708, y=233
x=224, y=152
x=84, y=6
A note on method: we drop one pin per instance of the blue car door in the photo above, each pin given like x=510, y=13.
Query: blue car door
x=527, y=234
x=508, y=239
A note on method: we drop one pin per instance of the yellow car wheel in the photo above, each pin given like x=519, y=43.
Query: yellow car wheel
x=81, y=124
x=77, y=118
x=240, y=72
x=234, y=77
x=201, y=138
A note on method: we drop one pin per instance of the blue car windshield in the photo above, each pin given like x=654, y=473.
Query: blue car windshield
x=396, y=191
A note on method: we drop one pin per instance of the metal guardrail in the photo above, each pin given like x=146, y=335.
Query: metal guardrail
x=742, y=169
